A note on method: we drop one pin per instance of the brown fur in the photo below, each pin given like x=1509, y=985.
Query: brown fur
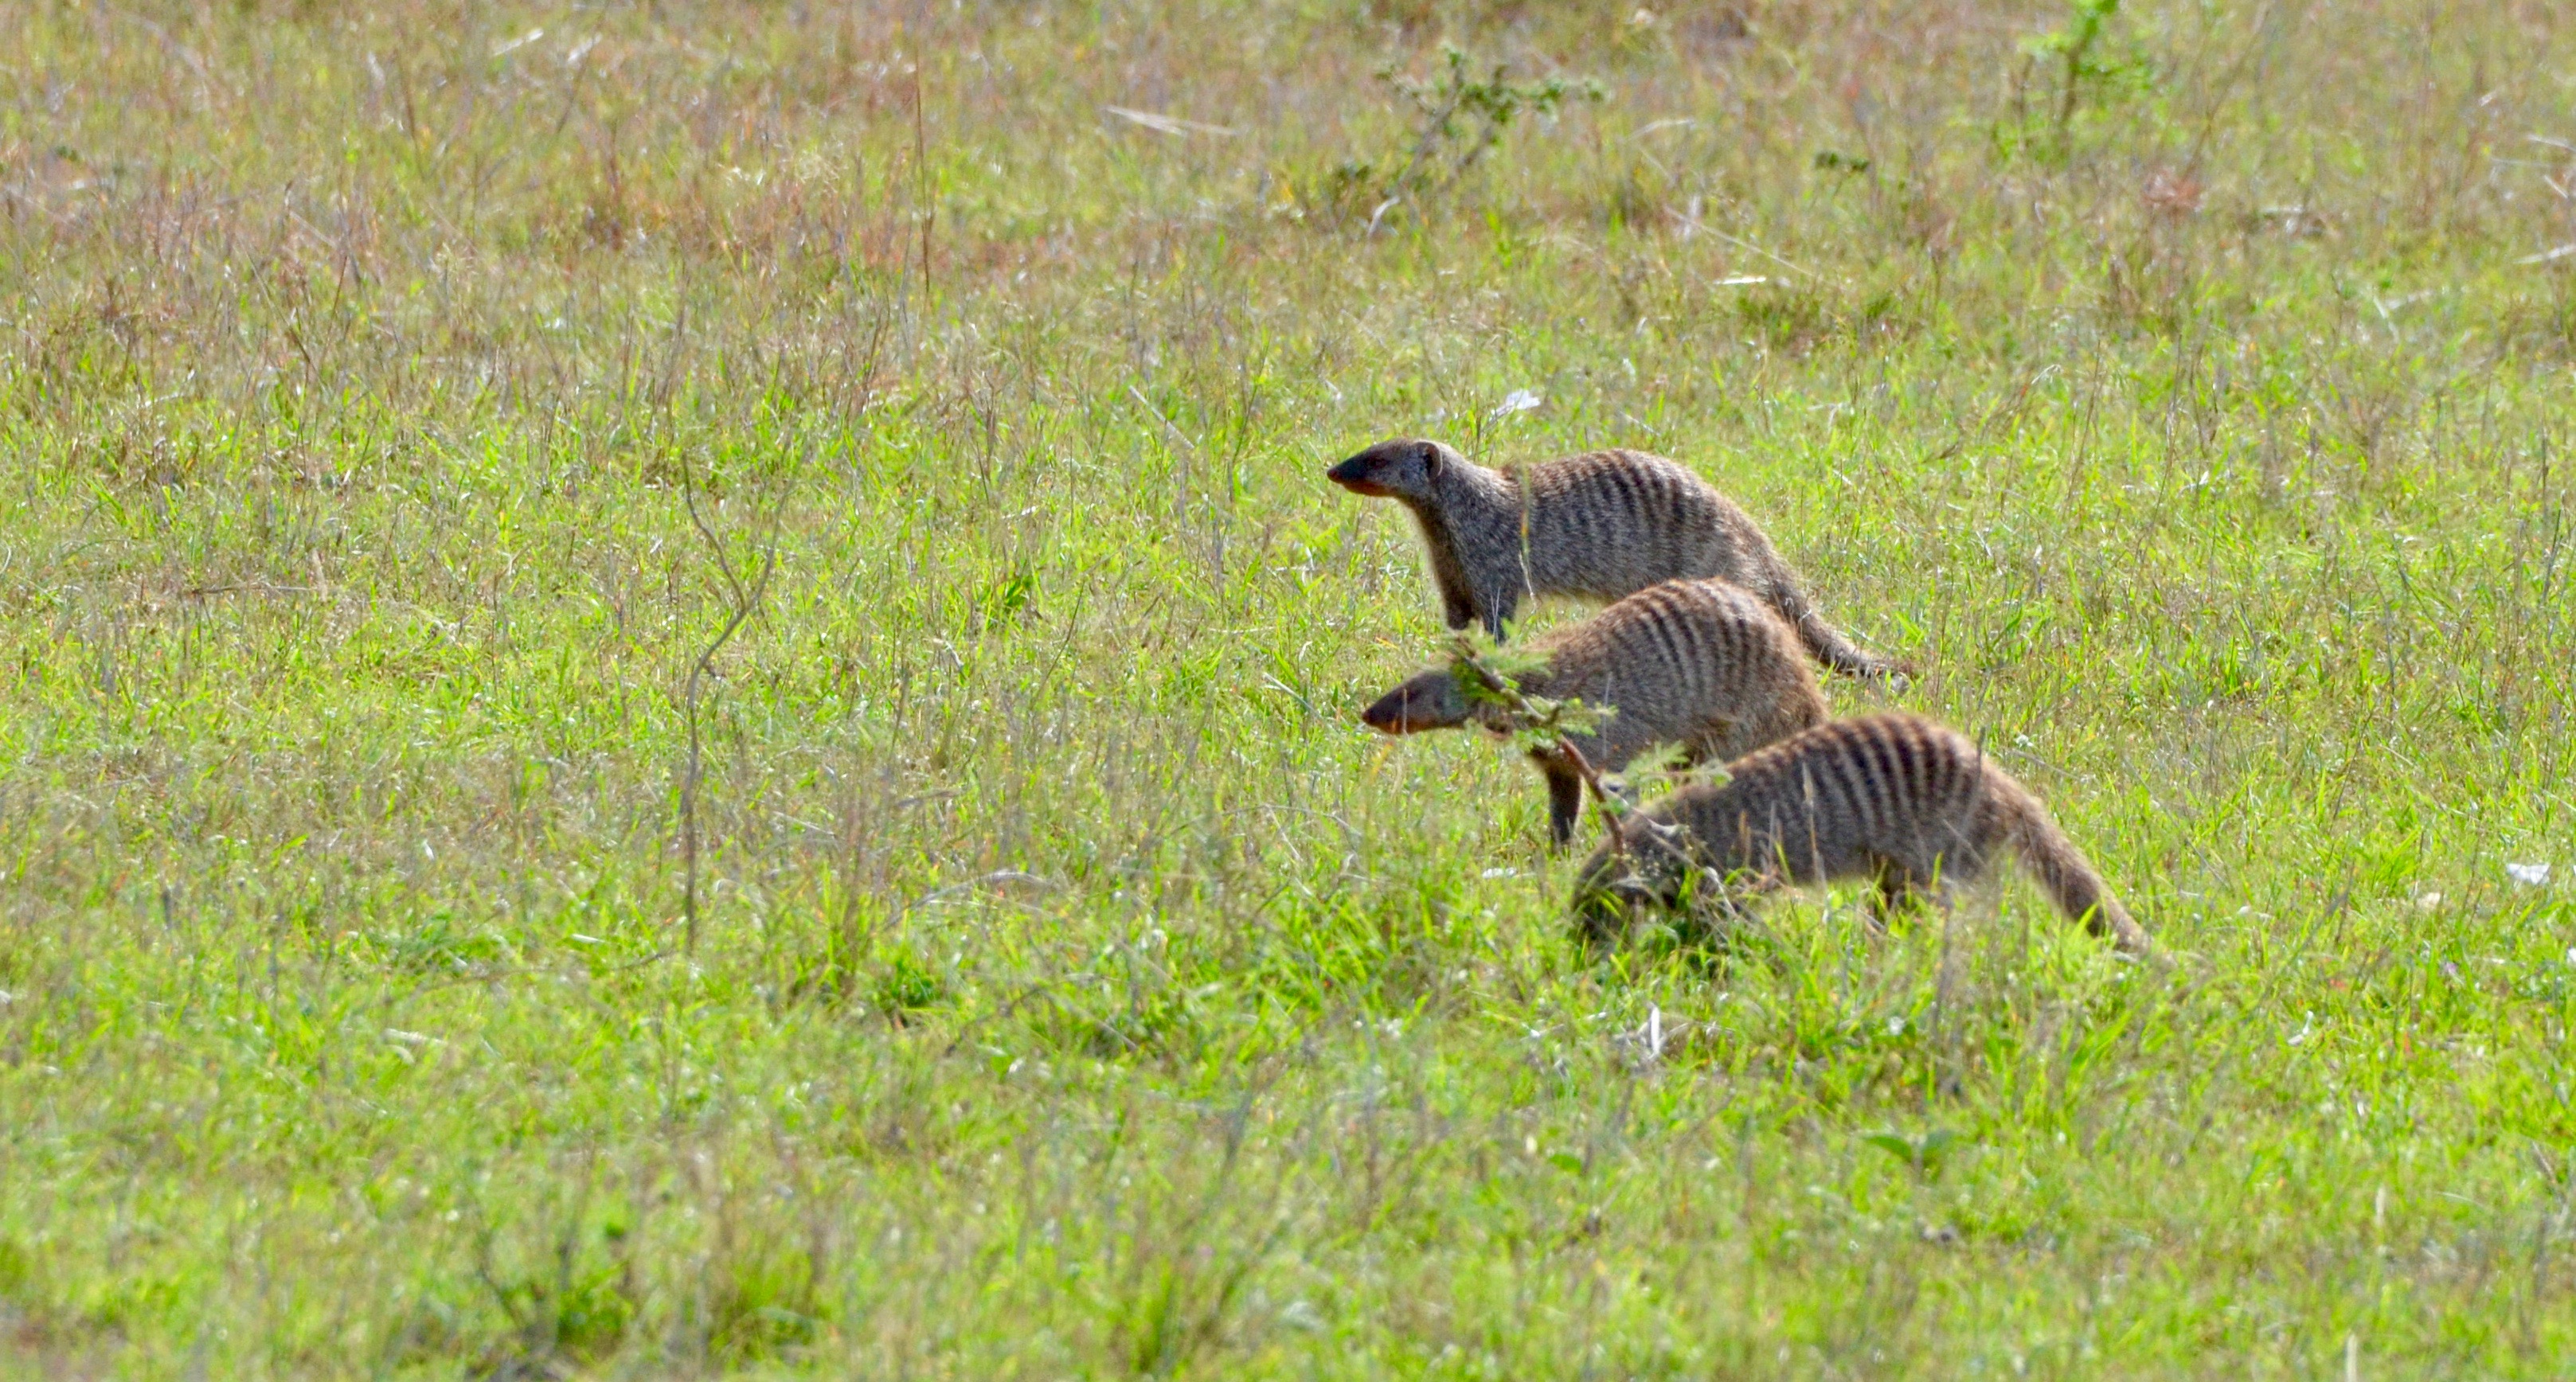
x=1895, y=798
x=1702, y=664
x=1598, y=526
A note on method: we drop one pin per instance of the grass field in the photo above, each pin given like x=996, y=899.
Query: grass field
x=679, y=693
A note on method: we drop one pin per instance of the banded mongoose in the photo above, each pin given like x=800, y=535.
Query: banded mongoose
x=1601, y=525
x=1893, y=797
x=1703, y=664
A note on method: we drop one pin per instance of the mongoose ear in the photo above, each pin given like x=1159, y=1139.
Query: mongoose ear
x=1431, y=458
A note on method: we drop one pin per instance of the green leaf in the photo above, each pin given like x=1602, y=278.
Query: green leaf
x=1893, y=1145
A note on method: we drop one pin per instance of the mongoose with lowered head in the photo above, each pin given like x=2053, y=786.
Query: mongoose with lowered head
x=1703, y=664
x=1600, y=525
x=1896, y=798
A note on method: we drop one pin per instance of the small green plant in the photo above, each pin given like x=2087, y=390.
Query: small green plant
x=1925, y=1154
x=1666, y=765
x=908, y=986
x=1458, y=118
x=761, y=1302
x=2072, y=54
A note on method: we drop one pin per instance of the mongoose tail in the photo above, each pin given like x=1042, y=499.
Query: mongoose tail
x=1828, y=643
x=2061, y=869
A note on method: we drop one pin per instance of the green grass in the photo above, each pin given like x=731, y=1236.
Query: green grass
x=1077, y=988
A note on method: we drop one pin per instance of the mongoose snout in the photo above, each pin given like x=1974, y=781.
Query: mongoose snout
x=1428, y=701
x=1389, y=470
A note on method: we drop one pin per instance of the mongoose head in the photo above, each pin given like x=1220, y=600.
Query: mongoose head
x=1616, y=889
x=1431, y=700
x=1609, y=897
x=1401, y=469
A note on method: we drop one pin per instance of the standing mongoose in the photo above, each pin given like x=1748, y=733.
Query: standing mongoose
x=1896, y=798
x=1600, y=525
x=1703, y=664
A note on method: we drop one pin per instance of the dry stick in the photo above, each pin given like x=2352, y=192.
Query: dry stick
x=744, y=601
x=853, y=418
x=1503, y=688
x=926, y=206
x=1431, y=132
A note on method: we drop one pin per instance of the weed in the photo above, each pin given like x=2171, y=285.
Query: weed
x=1457, y=118
x=907, y=986
x=2071, y=57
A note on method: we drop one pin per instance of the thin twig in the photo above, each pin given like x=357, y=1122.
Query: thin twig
x=743, y=602
x=1503, y=688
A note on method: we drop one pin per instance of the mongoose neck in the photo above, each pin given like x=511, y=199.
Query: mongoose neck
x=1469, y=483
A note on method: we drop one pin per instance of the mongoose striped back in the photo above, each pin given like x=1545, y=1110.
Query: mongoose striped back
x=1599, y=526
x=1703, y=664
x=1896, y=798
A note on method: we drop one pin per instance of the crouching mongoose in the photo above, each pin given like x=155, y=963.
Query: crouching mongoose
x=1600, y=525
x=1703, y=664
x=1895, y=798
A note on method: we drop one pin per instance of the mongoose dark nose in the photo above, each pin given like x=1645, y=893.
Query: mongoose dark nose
x=1386, y=716
x=1352, y=475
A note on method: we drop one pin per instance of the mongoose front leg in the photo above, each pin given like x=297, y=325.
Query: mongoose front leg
x=1564, y=798
x=1456, y=609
